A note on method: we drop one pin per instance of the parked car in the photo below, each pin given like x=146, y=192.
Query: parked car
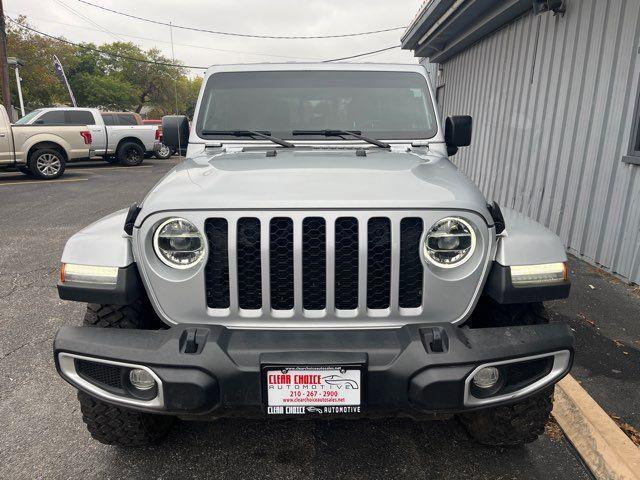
x=124, y=144
x=163, y=152
x=316, y=254
x=41, y=151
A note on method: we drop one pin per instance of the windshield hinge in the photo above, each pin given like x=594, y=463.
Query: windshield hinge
x=400, y=147
x=233, y=149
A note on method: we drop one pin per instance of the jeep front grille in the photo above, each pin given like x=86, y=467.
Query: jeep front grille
x=314, y=266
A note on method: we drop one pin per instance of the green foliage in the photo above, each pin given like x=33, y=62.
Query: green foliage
x=103, y=91
x=99, y=79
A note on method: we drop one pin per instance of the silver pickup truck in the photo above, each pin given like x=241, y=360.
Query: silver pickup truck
x=41, y=151
x=124, y=144
x=316, y=255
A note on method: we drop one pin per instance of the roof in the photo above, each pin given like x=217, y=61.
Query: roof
x=332, y=66
x=444, y=28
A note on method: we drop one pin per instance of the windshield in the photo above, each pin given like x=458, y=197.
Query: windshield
x=24, y=120
x=381, y=105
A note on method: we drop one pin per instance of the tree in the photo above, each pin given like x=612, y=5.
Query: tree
x=40, y=86
x=115, y=76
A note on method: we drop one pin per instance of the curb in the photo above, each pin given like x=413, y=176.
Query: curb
x=604, y=448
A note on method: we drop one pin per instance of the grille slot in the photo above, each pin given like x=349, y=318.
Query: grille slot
x=347, y=263
x=281, y=263
x=103, y=374
x=379, y=263
x=217, y=268
x=314, y=270
x=249, y=269
x=411, y=269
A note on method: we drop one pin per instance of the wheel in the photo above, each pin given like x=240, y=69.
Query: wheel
x=521, y=422
x=163, y=153
x=110, y=159
x=130, y=154
x=511, y=425
x=46, y=163
x=25, y=170
x=108, y=423
x=119, y=426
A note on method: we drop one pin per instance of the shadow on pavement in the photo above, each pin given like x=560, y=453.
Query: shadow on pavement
x=354, y=449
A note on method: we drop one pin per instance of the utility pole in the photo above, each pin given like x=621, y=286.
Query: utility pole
x=173, y=60
x=6, y=95
x=17, y=63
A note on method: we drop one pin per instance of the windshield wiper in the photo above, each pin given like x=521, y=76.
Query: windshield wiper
x=250, y=133
x=339, y=133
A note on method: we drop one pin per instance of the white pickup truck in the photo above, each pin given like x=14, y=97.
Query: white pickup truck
x=42, y=151
x=124, y=144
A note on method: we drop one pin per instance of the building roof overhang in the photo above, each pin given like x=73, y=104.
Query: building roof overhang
x=444, y=28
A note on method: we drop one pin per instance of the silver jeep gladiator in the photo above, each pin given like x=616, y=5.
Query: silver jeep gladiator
x=316, y=255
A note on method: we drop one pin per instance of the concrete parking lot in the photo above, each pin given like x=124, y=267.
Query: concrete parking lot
x=41, y=431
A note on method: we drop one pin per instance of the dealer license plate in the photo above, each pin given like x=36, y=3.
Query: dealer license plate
x=313, y=390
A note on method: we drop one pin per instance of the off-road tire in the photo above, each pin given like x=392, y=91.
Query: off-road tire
x=489, y=313
x=138, y=315
x=511, y=425
x=130, y=154
x=524, y=421
x=119, y=426
x=108, y=423
x=38, y=160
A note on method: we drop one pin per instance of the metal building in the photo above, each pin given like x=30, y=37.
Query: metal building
x=553, y=88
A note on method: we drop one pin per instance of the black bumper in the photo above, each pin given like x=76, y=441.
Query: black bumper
x=404, y=369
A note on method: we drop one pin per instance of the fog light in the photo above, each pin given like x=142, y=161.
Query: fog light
x=141, y=379
x=486, y=377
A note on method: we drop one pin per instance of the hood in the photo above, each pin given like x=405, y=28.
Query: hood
x=315, y=179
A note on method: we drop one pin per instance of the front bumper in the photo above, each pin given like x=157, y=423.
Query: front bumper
x=416, y=369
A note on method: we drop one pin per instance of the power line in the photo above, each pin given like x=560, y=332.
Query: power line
x=246, y=35
x=120, y=34
x=116, y=55
x=361, y=54
x=167, y=64
x=80, y=15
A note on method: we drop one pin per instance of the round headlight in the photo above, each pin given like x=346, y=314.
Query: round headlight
x=178, y=243
x=450, y=242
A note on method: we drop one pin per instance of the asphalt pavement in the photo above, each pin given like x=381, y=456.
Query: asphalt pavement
x=41, y=431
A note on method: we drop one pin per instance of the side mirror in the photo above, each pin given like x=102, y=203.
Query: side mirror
x=175, y=132
x=457, y=132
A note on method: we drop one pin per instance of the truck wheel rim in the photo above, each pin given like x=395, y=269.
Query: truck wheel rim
x=48, y=164
x=164, y=151
x=132, y=155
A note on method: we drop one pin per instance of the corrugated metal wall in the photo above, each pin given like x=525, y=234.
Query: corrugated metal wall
x=553, y=103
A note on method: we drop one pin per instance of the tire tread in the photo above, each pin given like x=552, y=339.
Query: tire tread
x=522, y=422
x=134, y=315
x=113, y=425
x=511, y=425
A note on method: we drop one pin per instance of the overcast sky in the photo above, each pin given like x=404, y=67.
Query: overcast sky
x=274, y=17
